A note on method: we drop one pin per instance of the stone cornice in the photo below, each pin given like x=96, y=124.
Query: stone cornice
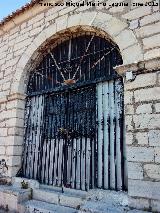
x=145, y=66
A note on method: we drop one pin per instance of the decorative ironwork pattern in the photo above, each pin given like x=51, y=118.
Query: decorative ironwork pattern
x=81, y=60
x=74, y=117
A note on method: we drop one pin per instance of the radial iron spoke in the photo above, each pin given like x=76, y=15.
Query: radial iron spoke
x=59, y=69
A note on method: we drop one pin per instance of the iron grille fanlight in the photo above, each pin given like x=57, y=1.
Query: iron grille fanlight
x=80, y=60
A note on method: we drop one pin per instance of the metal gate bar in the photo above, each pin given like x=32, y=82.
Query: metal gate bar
x=110, y=137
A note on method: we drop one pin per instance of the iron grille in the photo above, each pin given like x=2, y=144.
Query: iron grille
x=74, y=116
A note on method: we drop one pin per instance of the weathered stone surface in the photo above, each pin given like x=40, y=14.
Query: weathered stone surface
x=155, y=204
x=147, y=94
x=157, y=107
x=148, y=30
x=152, y=171
x=135, y=170
x=129, y=110
x=134, y=24
x=132, y=54
x=146, y=121
x=129, y=138
x=142, y=80
x=153, y=53
x=129, y=122
x=137, y=13
x=150, y=19
x=121, y=39
x=140, y=154
x=142, y=138
x=151, y=42
x=144, y=189
x=128, y=97
x=154, y=137
x=138, y=203
x=144, y=108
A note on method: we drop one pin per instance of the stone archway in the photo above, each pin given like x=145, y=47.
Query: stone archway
x=98, y=22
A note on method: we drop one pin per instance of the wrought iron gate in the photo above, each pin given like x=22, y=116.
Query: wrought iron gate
x=74, y=117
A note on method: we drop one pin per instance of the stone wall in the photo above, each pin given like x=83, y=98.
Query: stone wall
x=142, y=121
x=136, y=30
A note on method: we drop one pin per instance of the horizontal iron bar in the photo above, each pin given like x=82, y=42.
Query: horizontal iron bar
x=66, y=88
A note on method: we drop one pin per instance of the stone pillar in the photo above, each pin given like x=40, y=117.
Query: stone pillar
x=12, y=132
x=142, y=124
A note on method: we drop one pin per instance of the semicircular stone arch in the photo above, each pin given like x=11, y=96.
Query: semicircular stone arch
x=114, y=28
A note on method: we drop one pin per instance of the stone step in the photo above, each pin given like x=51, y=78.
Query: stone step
x=10, y=197
x=70, y=198
x=107, y=207
x=35, y=206
x=101, y=207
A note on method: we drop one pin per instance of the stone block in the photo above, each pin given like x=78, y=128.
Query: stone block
x=36, y=19
x=134, y=24
x=117, y=9
x=142, y=80
x=2, y=140
x=38, y=24
x=137, y=13
x=155, y=204
x=12, y=122
x=129, y=123
x=11, y=197
x=36, y=31
x=2, y=150
x=152, y=171
x=142, y=138
x=138, y=203
x=140, y=154
x=153, y=53
x=18, y=131
x=148, y=30
x=154, y=138
x=151, y=42
x=16, y=104
x=16, y=182
x=144, y=108
x=120, y=39
x=146, y=121
x=132, y=54
x=46, y=195
x=135, y=170
x=129, y=110
x=128, y=97
x=74, y=20
x=14, y=150
x=157, y=154
x=13, y=170
x=14, y=140
x=14, y=161
x=147, y=94
x=157, y=107
x=3, y=132
x=70, y=201
x=150, y=19
x=61, y=23
x=144, y=189
x=129, y=138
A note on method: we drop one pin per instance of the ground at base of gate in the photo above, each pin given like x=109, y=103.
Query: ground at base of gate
x=45, y=199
